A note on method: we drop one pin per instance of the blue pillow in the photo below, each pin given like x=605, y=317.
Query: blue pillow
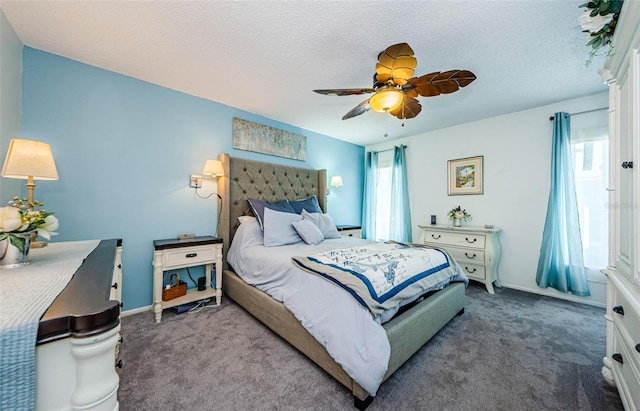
x=258, y=207
x=309, y=232
x=278, y=228
x=324, y=222
x=310, y=204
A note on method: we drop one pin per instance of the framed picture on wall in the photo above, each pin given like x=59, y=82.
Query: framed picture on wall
x=465, y=176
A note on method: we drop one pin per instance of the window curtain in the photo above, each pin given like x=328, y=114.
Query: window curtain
x=560, y=265
x=369, y=203
x=400, y=226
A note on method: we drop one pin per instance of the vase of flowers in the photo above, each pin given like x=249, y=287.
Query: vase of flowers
x=19, y=221
x=457, y=215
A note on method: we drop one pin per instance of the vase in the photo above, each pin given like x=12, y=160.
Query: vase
x=14, y=250
x=457, y=222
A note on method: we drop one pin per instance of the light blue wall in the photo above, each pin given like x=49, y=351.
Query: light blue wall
x=125, y=149
x=10, y=100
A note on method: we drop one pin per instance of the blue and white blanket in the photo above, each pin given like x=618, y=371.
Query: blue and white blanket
x=382, y=275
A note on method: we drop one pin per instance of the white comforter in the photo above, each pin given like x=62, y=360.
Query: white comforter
x=343, y=326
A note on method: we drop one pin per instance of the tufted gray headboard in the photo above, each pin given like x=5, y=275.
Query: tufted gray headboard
x=263, y=181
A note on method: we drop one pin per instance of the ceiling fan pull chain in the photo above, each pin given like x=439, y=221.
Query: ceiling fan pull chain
x=386, y=122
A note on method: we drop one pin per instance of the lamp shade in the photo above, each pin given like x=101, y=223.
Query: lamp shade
x=386, y=99
x=29, y=158
x=213, y=168
x=336, y=181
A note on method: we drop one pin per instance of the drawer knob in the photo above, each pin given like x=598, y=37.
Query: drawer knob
x=638, y=347
x=121, y=305
x=119, y=364
x=469, y=241
x=434, y=237
x=618, y=357
x=115, y=285
x=618, y=309
x=470, y=256
x=119, y=266
x=469, y=271
x=191, y=255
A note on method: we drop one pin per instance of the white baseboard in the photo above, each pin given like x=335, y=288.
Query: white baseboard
x=136, y=310
x=551, y=293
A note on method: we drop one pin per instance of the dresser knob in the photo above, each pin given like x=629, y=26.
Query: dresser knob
x=638, y=347
x=469, y=271
x=618, y=309
x=618, y=357
x=436, y=238
x=115, y=285
x=471, y=242
x=119, y=364
x=470, y=256
x=191, y=255
x=121, y=305
x=119, y=266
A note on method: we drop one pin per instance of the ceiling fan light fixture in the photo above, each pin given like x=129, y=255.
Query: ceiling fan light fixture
x=386, y=99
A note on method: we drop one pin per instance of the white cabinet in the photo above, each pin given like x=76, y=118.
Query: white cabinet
x=622, y=73
x=173, y=254
x=475, y=249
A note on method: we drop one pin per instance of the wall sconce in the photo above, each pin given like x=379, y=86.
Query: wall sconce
x=336, y=181
x=29, y=160
x=212, y=169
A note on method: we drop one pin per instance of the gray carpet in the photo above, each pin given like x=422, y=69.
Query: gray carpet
x=509, y=351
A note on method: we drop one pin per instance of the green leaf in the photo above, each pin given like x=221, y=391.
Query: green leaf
x=594, y=12
x=18, y=242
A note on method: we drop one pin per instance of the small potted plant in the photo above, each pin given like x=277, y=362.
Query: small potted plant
x=457, y=215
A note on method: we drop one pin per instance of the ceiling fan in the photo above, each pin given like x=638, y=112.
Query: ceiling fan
x=394, y=88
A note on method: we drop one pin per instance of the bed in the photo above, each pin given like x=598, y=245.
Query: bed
x=406, y=333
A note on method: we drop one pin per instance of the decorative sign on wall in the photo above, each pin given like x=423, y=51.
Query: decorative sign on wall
x=465, y=176
x=268, y=140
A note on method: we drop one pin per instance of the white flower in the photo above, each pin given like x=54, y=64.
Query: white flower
x=46, y=229
x=10, y=219
x=596, y=23
x=459, y=214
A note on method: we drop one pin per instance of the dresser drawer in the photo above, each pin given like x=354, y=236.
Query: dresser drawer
x=189, y=257
x=467, y=255
x=627, y=375
x=465, y=240
x=355, y=232
x=629, y=323
x=477, y=272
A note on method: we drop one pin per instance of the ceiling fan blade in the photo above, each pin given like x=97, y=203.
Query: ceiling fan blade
x=434, y=84
x=396, y=64
x=345, y=91
x=357, y=110
x=409, y=108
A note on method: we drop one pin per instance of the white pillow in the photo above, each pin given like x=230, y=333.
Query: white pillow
x=278, y=229
x=244, y=218
x=248, y=234
x=309, y=232
x=324, y=222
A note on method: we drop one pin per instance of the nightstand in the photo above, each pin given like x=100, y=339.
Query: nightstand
x=173, y=254
x=350, y=230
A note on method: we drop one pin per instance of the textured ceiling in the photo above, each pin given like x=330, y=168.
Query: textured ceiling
x=266, y=57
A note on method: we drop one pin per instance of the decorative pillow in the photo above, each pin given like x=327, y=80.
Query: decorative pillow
x=245, y=218
x=278, y=229
x=324, y=222
x=309, y=232
x=310, y=204
x=258, y=207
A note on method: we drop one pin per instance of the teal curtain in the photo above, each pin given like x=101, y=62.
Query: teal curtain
x=561, y=265
x=400, y=227
x=369, y=203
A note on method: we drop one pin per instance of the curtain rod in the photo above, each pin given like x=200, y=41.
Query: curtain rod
x=389, y=149
x=583, y=112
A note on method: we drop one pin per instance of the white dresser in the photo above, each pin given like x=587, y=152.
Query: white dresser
x=622, y=73
x=475, y=249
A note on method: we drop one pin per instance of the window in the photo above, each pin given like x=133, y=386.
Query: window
x=590, y=152
x=383, y=195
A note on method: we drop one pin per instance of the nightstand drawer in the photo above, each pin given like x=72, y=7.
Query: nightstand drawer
x=192, y=256
x=477, y=272
x=351, y=233
x=466, y=240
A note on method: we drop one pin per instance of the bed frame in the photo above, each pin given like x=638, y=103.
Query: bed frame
x=273, y=182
